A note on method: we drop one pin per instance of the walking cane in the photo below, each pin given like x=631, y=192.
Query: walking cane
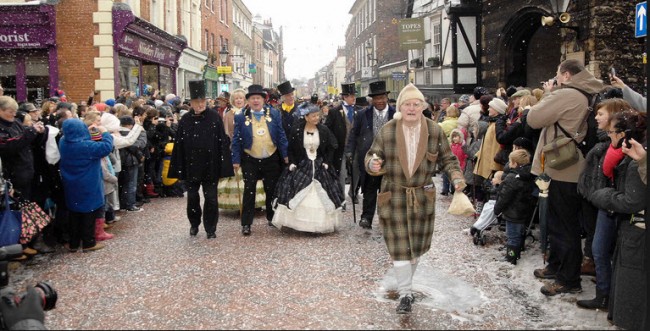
x=241, y=202
x=354, y=190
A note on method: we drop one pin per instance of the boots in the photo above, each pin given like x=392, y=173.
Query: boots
x=100, y=234
x=149, y=191
x=512, y=254
x=588, y=268
x=601, y=301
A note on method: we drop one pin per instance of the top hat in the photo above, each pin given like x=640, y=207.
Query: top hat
x=361, y=101
x=347, y=89
x=197, y=89
x=285, y=88
x=377, y=88
x=256, y=90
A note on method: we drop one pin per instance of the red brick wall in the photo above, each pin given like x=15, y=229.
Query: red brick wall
x=76, y=53
x=211, y=21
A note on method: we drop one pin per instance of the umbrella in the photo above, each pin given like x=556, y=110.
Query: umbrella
x=543, y=181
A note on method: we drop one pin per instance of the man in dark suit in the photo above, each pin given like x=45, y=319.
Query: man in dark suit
x=339, y=121
x=366, y=126
x=200, y=157
x=259, y=146
x=288, y=107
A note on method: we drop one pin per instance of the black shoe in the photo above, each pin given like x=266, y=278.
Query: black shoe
x=444, y=193
x=212, y=235
x=270, y=223
x=246, y=230
x=194, y=231
x=366, y=224
x=599, y=302
x=405, y=303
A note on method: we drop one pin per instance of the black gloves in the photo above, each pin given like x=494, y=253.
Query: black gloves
x=29, y=308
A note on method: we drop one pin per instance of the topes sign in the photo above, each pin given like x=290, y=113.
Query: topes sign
x=411, y=33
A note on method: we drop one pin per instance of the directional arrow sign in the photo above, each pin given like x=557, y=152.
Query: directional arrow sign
x=640, y=24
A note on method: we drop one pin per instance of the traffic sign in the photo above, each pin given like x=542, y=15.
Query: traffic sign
x=399, y=75
x=641, y=20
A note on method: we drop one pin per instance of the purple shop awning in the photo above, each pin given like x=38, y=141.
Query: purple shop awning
x=136, y=37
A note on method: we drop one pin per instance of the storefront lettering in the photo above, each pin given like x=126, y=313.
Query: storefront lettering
x=7, y=38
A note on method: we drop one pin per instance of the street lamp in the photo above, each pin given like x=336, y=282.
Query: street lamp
x=223, y=56
x=370, y=51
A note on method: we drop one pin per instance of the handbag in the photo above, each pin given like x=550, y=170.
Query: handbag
x=460, y=205
x=561, y=152
x=9, y=222
x=34, y=220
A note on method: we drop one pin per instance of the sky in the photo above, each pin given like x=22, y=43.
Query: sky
x=313, y=30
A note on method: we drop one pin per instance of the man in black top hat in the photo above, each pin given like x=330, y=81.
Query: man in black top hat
x=260, y=147
x=366, y=126
x=339, y=121
x=288, y=107
x=200, y=157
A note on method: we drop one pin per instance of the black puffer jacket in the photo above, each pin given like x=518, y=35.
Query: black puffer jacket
x=516, y=202
x=592, y=177
x=628, y=195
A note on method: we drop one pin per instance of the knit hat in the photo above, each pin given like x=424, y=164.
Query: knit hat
x=409, y=92
x=158, y=103
x=110, y=102
x=464, y=98
x=95, y=135
x=498, y=105
x=520, y=93
x=169, y=97
x=110, y=122
x=100, y=106
x=511, y=90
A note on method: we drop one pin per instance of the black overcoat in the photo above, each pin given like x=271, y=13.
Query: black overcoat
x=201, y=148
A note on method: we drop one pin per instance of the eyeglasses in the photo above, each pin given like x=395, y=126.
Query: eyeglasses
x=613, y=131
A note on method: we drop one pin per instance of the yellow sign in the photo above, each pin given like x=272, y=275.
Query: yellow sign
x=135, y=72
x=224, y=70
x=331, y=90
x=645, y=60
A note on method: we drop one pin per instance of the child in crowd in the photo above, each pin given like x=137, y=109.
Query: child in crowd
x=515, y=202
x=131, y=158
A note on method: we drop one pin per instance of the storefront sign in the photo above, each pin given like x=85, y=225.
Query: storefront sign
x=15, y=37
x=411, y=33
x=146, y=50
x=211, y=74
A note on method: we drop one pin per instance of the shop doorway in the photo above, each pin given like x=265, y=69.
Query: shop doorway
x=25, y=75
x=531, y=51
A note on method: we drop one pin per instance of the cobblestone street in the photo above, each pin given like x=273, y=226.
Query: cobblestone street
x=153, y=275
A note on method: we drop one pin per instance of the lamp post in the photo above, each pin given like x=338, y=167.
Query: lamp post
x=223, y=56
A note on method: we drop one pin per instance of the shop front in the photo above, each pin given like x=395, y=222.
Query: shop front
x=145, y=57
x=28, y=65
x=190, y=68
x=211, y=77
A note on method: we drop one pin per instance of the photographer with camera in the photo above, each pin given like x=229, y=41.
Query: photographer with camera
x=23, y=311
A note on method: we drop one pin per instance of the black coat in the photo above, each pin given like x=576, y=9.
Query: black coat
x=361, y=136
x=201, y=148
x=516, y=200
x=325, y=150
x=16, y=143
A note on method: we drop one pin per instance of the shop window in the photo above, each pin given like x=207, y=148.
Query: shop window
x=165, y=80
x=150, y=76
x=37, y=76
x=129, y=73
x=8, y=74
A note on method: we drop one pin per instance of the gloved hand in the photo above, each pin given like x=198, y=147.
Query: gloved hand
x=292, y=167
x=325, y=166
x=30, y=308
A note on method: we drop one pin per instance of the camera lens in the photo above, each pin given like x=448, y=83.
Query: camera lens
x=48, y=294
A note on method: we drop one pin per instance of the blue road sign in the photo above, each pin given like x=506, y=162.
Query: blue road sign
x=641, y=20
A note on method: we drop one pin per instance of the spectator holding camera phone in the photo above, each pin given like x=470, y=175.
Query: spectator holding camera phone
x=636, y=100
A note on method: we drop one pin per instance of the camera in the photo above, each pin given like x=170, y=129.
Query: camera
x=628, y=136
x=47, y=292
